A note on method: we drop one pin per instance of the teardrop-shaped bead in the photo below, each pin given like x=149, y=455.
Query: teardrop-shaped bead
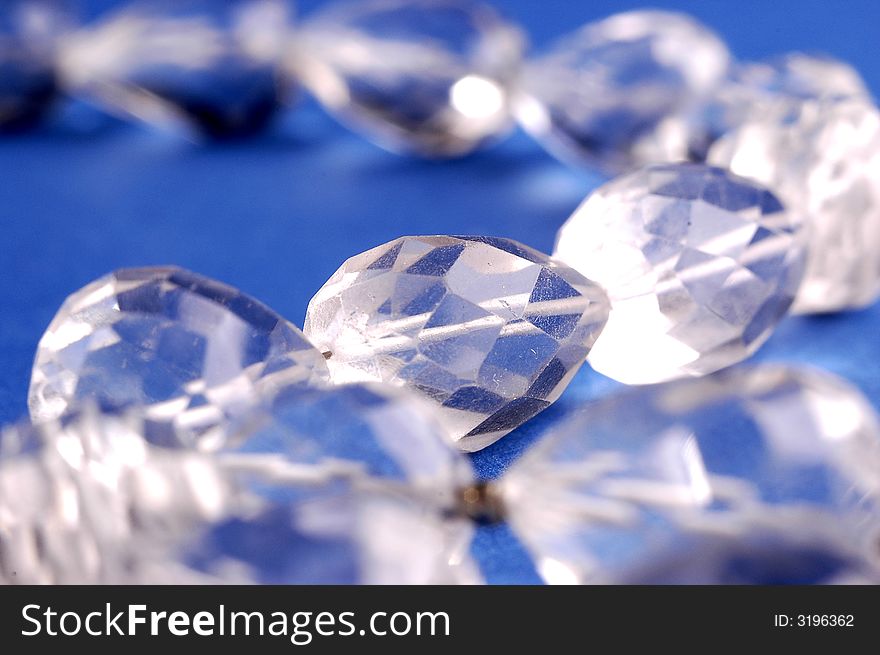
x=753, y=90
x=29, y=34
x=598, y=91
x=210, y=67
x=487, y=329
x=187, y=350
x=625, y=484
x=430, y=77
x=822, y=158
x=699, y=264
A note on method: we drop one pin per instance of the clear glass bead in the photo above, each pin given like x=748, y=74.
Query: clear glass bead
x=344, y=485
x=430, y=77
x=29, y=34
x=357, y=481
x=822, y=158
x=212, y=67
x=487, y=329
x=698, y=469
x=699, y=266
x=600, y=90
x=753, y=90
x=87, y=500
x=188, y=351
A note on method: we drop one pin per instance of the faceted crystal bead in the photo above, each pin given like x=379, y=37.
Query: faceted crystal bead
x=804, y=76
x=324, y=491
x=699, y=266
x=487, y=329
x=188, y=350
x=29, y=32
x=673, y=473
x=87, y=500
x=358, y=482
x=429, y=77
x=822, y=158
x=600, y=90
x=211, y=65
x=753, y=90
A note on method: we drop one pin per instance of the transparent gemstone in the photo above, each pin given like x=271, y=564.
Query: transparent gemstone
x=601, y=89
x=358, y=483
x=658, y=474
x=822, y=158
x=210, y=65
x=699, y=264
x=87, y=500
x=430, y=77
x=29, y=33
x=489, y=330
x=753, y=90
x=189, y=351
x=324, y=491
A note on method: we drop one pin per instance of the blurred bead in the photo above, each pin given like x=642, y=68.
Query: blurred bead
x=489, y=330
x=637, y=480
x=429, y=77
x=803, y=554
x=358, y=482
x=29, y=33
x=348, y=485
x=374, y=430
x=188, y=351
x=699, y=265
x=211, y=65
x=753, y=90
x=600, y=90
x=87, y=500
x=822, y=158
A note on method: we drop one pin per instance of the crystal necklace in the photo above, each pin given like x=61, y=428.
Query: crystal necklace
x=183, y=431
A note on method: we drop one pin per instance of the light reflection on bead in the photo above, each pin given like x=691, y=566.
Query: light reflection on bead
x=699, y=266
x=599, y=90
x=211, y=67
x=753, y=91
x=638, y=479
x=488, y=330
x=429, y=77
x=188, y=351
x=822, y=158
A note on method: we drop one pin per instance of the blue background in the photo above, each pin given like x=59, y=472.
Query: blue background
x=276, y=215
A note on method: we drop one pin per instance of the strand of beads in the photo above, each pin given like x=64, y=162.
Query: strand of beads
x=360, y=483
x=693, y=269
x=471, y=337
x=441, y=78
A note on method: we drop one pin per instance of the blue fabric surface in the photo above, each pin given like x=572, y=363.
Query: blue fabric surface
x=277, y=214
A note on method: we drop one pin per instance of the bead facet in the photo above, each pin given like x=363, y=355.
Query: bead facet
x=430, y=77
x=600, y=90
x=636, y=480
x=489, y=330
x=699, y=266
x=208, y=65
x=187, y=350
x=822, y=158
